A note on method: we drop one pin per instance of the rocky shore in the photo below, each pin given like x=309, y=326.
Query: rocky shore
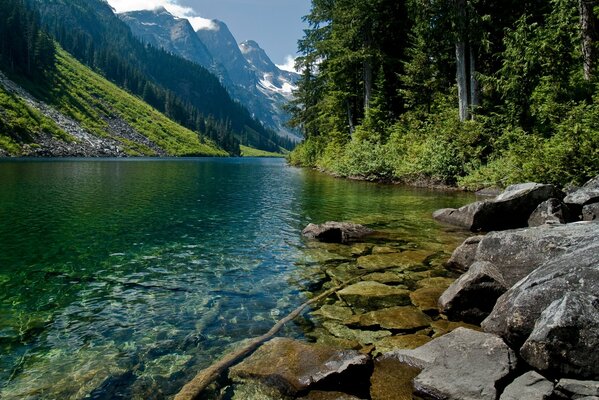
x=521, y=322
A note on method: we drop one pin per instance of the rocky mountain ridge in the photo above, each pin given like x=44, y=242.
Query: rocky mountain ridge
x=243, y=68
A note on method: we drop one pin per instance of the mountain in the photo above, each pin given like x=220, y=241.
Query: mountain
x=183, y=90
x=244, y=69
x=76, y=112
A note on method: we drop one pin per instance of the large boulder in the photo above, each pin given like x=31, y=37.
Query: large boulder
x=588, y=194
x=293, y=366
x=464, y=255
x=590, y=212
x=464, y=364
x=552, y=211
x=336, y=232
x=530, y=386
x=565, y=339
x=509, y=210
x=560, y=293
x=472, y=297
x=504, y=258
x=576, y=389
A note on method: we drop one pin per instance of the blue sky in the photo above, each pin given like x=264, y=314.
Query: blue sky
x=275, y=24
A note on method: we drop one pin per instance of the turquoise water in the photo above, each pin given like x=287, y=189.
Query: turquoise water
x=121, y=278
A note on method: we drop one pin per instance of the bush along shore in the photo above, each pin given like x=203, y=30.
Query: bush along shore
x=521, y=322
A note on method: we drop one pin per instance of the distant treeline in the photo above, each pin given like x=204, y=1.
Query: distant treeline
x=468, y=92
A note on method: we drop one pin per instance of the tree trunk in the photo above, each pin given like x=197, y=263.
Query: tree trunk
x=367, y=85
x=350, y=119
x=462, y=78
x=474, y=87
x=587, y=28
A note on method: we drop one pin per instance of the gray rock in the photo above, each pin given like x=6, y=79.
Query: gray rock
x=472, y=297
x=464, y=256
x=512, y=255
x=463, y=364
x=552, y=211
x=530, y=386
x=565, y=339
x=293, y=366
x=590, y=212
x=336, y=232
x=587, y=194
x=576, y=389
x=517, y=311
x=509, y=210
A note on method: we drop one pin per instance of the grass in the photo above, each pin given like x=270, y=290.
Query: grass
x=90, y=99
x=251, y=152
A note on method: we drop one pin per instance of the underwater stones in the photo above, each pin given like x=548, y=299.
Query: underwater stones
x=325, y=338
x=335, y=312
x=387, y=277
x=373, y=295
x=398, y=342
x=442, y=327
x=395, y=318
x=166, y=365
x=336, y=232
x=463, y=364
x=435, y=282
x=530, y=386
x=426, y=298
x=362, y=336
x=360, y=249
x=405, y=260
x=293, y=366
x=343, y=272
x=391, y=380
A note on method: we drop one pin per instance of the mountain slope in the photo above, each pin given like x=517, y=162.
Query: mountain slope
x=183, y=90
x=245, y=69
x=76, y=112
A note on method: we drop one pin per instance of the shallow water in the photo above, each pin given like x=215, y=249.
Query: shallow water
x=120, y=278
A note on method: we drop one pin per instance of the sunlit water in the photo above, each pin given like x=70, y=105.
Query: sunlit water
x=122, y=278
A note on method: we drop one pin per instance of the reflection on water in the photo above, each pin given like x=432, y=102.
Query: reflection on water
x=119, y=279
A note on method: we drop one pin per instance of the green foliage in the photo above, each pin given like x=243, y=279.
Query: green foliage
x=251, y=152
x=537, y=119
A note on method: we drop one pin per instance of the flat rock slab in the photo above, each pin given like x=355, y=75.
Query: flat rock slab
x=395, y=318
x=400, y=342
x=336, y=232
x=463, y=364
x=530, y=386
x=404, y=260
x=391, y=380
x=335, y=312
x=361, y=336
x=373, y=295
x=426, y=299
x=293, y=366
x=436, y=282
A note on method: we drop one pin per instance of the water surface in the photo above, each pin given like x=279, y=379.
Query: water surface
x=120, y=278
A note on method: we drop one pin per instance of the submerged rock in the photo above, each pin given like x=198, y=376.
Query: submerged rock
x=395, y=318
x=391, y=380
x=404, y=260
x=530, y=386
x=399, y=342
x=336, y=232
x=373, y=295
x=463, y=364
x=293, y=366
x=509, y=210
x=363, y=337
x=426, y=299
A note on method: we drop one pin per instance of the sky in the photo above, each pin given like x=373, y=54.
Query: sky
x=275, y=24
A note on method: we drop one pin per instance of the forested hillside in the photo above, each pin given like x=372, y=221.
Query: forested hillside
x=51, y=105
x=467, y=92
x=184, y=91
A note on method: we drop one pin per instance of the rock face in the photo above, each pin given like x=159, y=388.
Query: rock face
x=575, y=389
x=565, y=338
x=588, y=194
x=564, y=293
x=504, y=258
x=464, y=255
x=530, y=386
x=463, y=364
x=590, y=212
x=472, y=297
x=552, y=211
x=509, y=210
x=294, y=366
x=336, y=232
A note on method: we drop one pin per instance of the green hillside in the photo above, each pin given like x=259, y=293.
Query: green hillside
x=100, y=108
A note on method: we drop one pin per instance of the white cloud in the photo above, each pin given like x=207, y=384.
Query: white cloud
x=288, y=65
x=171, y=6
